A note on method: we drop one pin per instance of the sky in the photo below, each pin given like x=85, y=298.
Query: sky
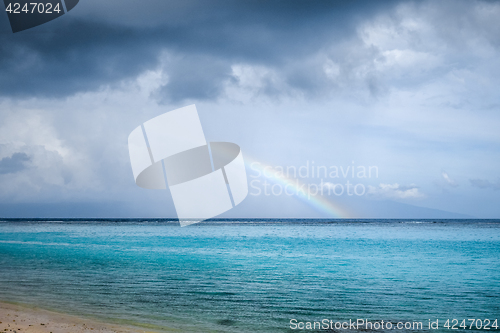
x=409, y=88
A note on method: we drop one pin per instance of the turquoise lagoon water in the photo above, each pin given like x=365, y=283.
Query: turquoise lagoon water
x=254, y=276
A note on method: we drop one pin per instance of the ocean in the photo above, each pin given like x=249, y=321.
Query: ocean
x=256, y=275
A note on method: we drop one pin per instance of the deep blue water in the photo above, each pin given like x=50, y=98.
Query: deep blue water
x=254, y=276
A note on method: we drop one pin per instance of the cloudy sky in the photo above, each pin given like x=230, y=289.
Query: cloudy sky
x=411, y=87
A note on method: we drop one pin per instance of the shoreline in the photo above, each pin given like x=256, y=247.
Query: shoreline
x=16, y=317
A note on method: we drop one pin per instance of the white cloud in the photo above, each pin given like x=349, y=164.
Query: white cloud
x=76, y=148
x=26, y=126
x=395, y=191
x=253, y=81
x=448, y=180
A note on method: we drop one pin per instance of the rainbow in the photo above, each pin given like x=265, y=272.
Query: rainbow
x=318, y=202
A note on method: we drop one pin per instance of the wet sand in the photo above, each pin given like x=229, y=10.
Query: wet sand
x=17, y=318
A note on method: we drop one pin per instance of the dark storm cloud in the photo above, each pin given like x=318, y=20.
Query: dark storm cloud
x=14, y=163
x=74, y=56
x=99, y=46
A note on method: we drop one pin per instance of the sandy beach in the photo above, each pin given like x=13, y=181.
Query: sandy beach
x=17, y=318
